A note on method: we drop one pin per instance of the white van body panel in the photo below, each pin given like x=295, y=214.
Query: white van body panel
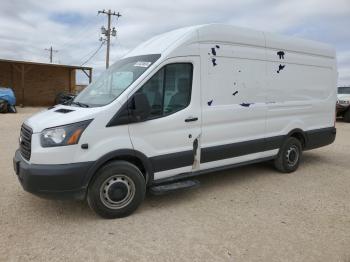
x=171, y=134
x=241, y=97
x=301, y=95
x=239, y=159
x=51, y=118
x=101, y=140
x=167, y=43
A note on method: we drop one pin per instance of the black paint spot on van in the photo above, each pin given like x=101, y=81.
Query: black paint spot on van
x=213, y=50
x=234, y=83
x=280, y=54
x=246, y=104
x=213, y=60
x=210, y=102
x=239, y=71
x=280, y=68
x=235, y=93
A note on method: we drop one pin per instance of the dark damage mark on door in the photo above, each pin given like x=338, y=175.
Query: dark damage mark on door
x=280, y=68
x=246, y=104
x=195, y=147
x=213, y=49
x=235, y=93
x=280, y=54
x=210, y=102
x=213, y=52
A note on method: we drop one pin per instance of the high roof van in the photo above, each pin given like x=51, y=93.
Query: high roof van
x=187, y=102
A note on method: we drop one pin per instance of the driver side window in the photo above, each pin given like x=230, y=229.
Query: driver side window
x=169, y=90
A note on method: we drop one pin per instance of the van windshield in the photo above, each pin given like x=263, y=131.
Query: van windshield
x=344, y=90
x=114, y=81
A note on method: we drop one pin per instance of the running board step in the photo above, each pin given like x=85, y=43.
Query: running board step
x=169, y=188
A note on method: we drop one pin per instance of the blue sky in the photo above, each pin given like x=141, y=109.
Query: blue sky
x=68, y=18
x=73, y=27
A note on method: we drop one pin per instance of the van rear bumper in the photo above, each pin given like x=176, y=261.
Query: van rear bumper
x=320, y=137
x=52, y=181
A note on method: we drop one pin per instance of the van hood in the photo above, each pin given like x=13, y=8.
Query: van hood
x=345, y=97
x=60, y=115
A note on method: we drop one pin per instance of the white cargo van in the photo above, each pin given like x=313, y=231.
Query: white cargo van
x=184, y=103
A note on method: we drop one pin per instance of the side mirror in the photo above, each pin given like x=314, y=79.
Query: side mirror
x=140, y=109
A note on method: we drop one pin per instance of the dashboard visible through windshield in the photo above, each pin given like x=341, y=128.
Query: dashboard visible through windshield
x=114, y=81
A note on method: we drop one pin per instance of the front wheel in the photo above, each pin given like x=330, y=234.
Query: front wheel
x=117, y=190
x=289, y=156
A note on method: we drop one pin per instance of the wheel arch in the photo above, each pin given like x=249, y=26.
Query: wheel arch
x=133, y=156
x=298, y=134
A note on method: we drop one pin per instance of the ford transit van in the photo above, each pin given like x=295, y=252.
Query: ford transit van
x=187, y=102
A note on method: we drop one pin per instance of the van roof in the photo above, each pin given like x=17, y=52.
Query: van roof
x=227, y=34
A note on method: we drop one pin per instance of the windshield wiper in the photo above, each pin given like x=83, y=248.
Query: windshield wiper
x=79, y=104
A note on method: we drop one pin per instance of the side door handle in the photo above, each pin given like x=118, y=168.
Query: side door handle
x=191, y=119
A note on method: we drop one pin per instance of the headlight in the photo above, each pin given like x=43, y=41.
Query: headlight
x=63, y=135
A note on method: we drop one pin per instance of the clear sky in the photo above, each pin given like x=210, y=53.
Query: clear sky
x=73, y=26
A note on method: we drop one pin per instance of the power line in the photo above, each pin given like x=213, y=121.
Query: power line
x=80, y=35
x=77, y=61
x=98, y=49
x=108, y=32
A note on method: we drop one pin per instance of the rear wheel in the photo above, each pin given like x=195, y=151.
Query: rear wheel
x=347, y=116
x=118, y=189
x=289, y=156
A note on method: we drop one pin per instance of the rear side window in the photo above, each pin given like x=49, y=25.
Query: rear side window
x=169, y=90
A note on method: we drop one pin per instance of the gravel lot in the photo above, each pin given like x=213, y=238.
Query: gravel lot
x=251, y=213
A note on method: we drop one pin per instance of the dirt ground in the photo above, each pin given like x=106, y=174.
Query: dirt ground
x=251, y=213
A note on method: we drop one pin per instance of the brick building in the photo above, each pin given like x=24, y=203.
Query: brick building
x=37, y=84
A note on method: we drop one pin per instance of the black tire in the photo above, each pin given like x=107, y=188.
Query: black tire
x=117, y=190
x=347, y=116
x=289, y=156
x=3, y=106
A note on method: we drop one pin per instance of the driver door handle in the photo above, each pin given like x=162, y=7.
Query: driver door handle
x=191, y=119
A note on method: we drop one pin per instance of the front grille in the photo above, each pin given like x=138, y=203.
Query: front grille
x=25, y=141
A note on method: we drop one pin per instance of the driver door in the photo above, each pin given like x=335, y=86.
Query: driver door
x=170, y=135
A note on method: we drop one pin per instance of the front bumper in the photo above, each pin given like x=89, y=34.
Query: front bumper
x=52, y=181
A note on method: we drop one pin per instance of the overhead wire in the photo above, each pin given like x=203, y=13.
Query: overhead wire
x=95, y=53
x=82, y=58
x=116, y=40
x=84, y=32
x=80, y=35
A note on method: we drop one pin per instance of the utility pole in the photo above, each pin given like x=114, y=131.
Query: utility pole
x=108, y=32
x=51, y=50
